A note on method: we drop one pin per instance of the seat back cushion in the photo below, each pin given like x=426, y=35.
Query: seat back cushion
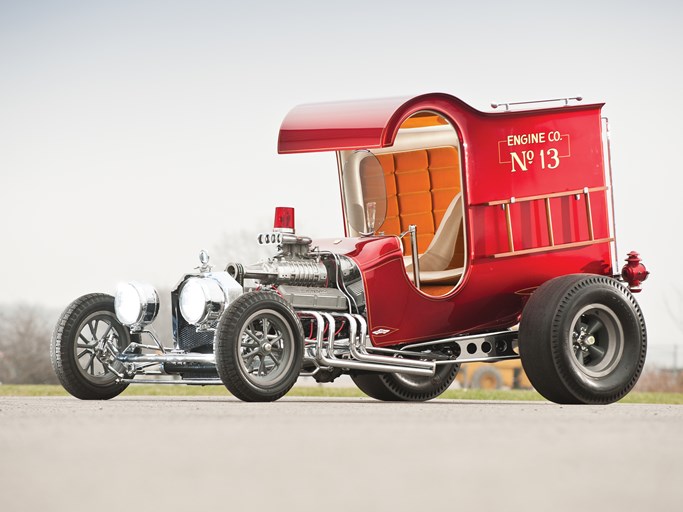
x=420, y=186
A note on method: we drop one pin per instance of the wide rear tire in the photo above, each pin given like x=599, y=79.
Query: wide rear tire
x=582, y=340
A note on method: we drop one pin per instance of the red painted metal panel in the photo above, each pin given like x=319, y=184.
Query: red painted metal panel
x=338, y=125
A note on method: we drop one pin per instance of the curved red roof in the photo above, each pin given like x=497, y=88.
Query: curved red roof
x=374, y=123
x=351, y=124
x=337, y=125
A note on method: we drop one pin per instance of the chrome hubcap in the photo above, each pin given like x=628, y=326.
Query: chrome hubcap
x=596, y=341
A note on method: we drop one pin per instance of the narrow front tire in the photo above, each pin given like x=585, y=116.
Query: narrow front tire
x=82, y=346
x=259, y=347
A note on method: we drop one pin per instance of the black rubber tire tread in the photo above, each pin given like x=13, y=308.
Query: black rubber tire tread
x=483, y=372
x=62, y=348
x=226, y=346
x=543, y=339
x=386, y=387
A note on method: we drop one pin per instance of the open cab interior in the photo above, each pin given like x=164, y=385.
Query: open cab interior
x=417, y=181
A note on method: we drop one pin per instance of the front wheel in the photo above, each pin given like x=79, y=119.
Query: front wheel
x=259, y=347
x=582, y=340
x=83, y=345
x=392, y=387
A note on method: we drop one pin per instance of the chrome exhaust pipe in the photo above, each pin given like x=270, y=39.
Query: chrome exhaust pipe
x=361, y=354
x=332, y=361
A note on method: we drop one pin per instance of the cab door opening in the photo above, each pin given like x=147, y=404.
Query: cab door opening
x=421, y=186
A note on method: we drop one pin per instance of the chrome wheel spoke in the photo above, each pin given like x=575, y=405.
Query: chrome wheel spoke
x=86, y=351
x=593, y=325
x=579, y=355
x=596, y=352
x=249, y=343
x=276, y=361
x=262, y=366
x=250, y=355
x=249, y=333
x=90, y=367
x=266, y=327
x=93, y=328
x=277, y=337
x=250, y=359
x=106, y=333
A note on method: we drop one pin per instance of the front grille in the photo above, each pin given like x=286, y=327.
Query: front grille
x=189, y=338
x=185, y=335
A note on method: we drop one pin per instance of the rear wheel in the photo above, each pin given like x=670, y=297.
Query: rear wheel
x=392, y=387
x=83, y=346
x=582, y=340
x=259, y=347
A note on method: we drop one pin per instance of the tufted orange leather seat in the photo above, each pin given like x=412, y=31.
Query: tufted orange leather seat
x=420, y=186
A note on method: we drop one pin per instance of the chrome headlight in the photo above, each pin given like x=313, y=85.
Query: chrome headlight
x=136, y=304
x=203, y=299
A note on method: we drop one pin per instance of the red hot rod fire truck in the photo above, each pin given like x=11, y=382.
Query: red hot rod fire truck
x=469, y=237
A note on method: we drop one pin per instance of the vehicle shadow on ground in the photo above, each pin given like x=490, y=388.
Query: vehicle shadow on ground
x=331, y=400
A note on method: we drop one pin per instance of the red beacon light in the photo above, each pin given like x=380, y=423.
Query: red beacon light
x=284, y=219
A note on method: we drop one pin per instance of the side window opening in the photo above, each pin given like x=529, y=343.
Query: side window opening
x=422, y=186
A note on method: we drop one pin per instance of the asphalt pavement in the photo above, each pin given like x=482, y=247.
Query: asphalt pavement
x=200, y=454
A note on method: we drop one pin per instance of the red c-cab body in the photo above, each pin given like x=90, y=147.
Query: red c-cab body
x=533, y=188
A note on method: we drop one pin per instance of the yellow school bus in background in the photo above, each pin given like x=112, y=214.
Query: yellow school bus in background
x=502, y=375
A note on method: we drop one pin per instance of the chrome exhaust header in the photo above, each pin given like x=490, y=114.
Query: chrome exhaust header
x=325, y=354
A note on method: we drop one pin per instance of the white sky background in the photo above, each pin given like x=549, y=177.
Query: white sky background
x=134, y=133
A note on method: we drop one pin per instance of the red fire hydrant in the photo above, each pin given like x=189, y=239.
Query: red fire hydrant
x=634, y=272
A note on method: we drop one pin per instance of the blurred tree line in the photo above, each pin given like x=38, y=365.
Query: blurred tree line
x=25, y=332
x=26, y=329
